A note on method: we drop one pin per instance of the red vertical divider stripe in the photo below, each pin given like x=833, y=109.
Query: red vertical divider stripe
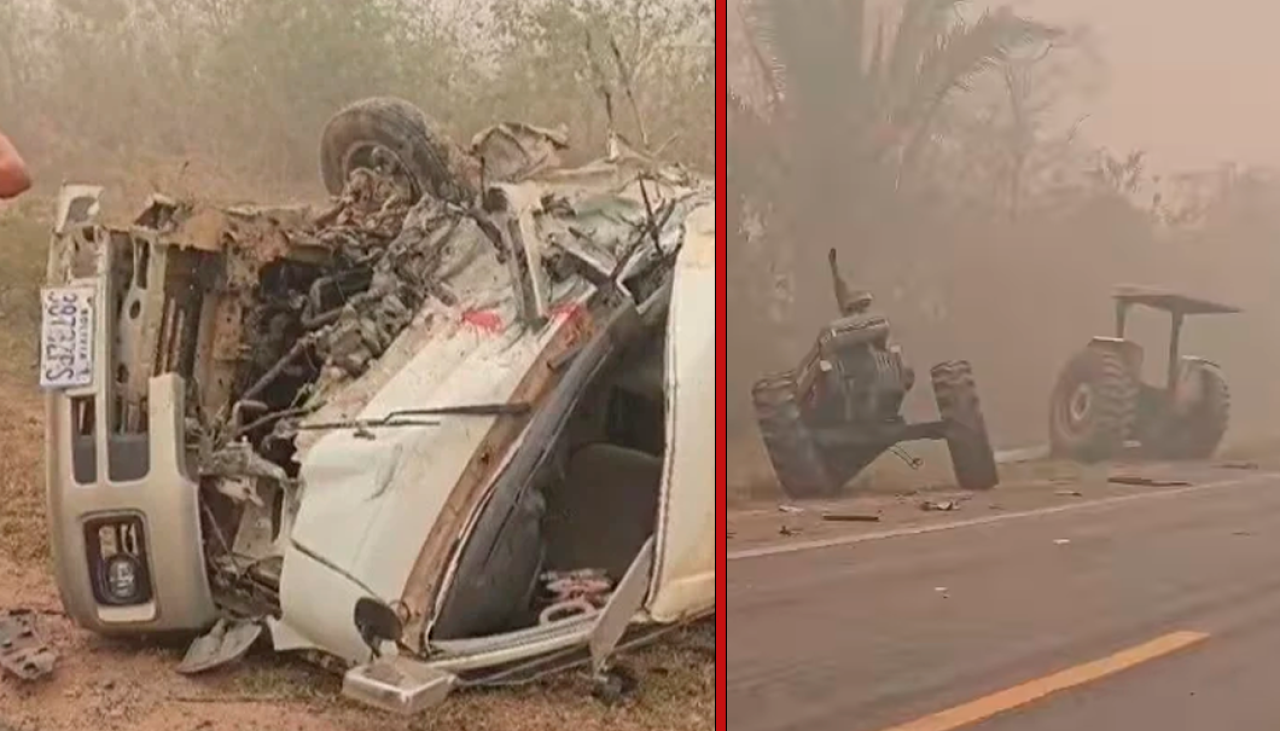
x=722, y=92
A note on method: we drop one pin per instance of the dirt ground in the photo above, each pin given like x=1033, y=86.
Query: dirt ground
x=101, y=684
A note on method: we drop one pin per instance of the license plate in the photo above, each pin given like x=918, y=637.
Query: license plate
x=66, y=337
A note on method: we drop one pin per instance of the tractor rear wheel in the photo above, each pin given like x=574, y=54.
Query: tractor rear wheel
x=1093, y=407
x=957, y=396
x=802, y=470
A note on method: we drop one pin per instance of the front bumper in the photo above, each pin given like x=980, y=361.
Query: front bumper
x=97, y=482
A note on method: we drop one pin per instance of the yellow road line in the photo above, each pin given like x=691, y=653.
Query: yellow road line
x=1020, y=695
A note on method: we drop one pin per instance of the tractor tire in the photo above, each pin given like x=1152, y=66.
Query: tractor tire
x=435, y=164
x=802, y=470
x=1198, y=434
x=1093, y=407
x=972, y=458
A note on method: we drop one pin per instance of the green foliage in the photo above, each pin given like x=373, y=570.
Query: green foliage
x=90, y=87
x=557, y=55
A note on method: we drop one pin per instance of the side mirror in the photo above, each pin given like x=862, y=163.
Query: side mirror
x=377, y=623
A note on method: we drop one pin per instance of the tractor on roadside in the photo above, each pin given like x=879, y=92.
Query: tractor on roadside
x=1100, y=404
x=839, y=410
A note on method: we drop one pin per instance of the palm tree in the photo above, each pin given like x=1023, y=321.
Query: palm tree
x=754, y=71
x=878, y=93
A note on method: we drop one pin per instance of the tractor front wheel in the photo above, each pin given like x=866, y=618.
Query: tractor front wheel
x=802, y=469
x=1197, y=433
x=971, y=456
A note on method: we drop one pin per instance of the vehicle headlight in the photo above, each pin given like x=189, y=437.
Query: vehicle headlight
x=123, y=580
x=117, y=554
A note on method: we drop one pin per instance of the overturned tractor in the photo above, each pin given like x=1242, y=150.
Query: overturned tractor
x=835, y=414
x=1100, y=403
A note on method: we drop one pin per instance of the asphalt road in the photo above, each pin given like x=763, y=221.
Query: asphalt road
x=1158, y=612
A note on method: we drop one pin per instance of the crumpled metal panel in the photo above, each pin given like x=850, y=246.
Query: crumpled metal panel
x=22, y=652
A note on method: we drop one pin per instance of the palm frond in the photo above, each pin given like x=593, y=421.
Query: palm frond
x=921, y=22
x=965, y=51
x=877, y=64
x=756, y=77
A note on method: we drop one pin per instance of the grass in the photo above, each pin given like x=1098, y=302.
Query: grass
x=23, y=243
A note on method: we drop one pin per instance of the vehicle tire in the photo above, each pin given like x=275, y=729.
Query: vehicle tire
x=434, y=163
x=1093, y=407
x=1198, y=434
x=802, y=470
x=972, y=458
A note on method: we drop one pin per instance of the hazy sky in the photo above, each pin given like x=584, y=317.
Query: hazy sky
x=1195, y=83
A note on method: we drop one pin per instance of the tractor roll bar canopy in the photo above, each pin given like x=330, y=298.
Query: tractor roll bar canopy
x=1179, y=306
x=1128, y=296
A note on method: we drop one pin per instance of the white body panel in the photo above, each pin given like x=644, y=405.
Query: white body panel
x=370, y=503
x=684, y=581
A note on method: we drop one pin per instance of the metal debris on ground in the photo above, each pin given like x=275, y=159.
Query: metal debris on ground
x=22, y=653
x=227, y=642
x=850, y=518
x=789, y=531
x=790, y=509
x=1069, y=493
x=1146, y=481
x=940, y=506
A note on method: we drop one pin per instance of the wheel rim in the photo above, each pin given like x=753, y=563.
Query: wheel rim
x=382, y=160
x=1079, y=404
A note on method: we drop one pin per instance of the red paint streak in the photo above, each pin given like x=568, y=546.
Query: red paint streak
x=487, y=321
x=572, y=312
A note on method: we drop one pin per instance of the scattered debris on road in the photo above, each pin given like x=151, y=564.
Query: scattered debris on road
x=1068, y=493
x=787, y=530
x=1146, y=481
x=22, y=653
x=850, y=518
x=790, y=510
x=1240, y=466
x=940, y=506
